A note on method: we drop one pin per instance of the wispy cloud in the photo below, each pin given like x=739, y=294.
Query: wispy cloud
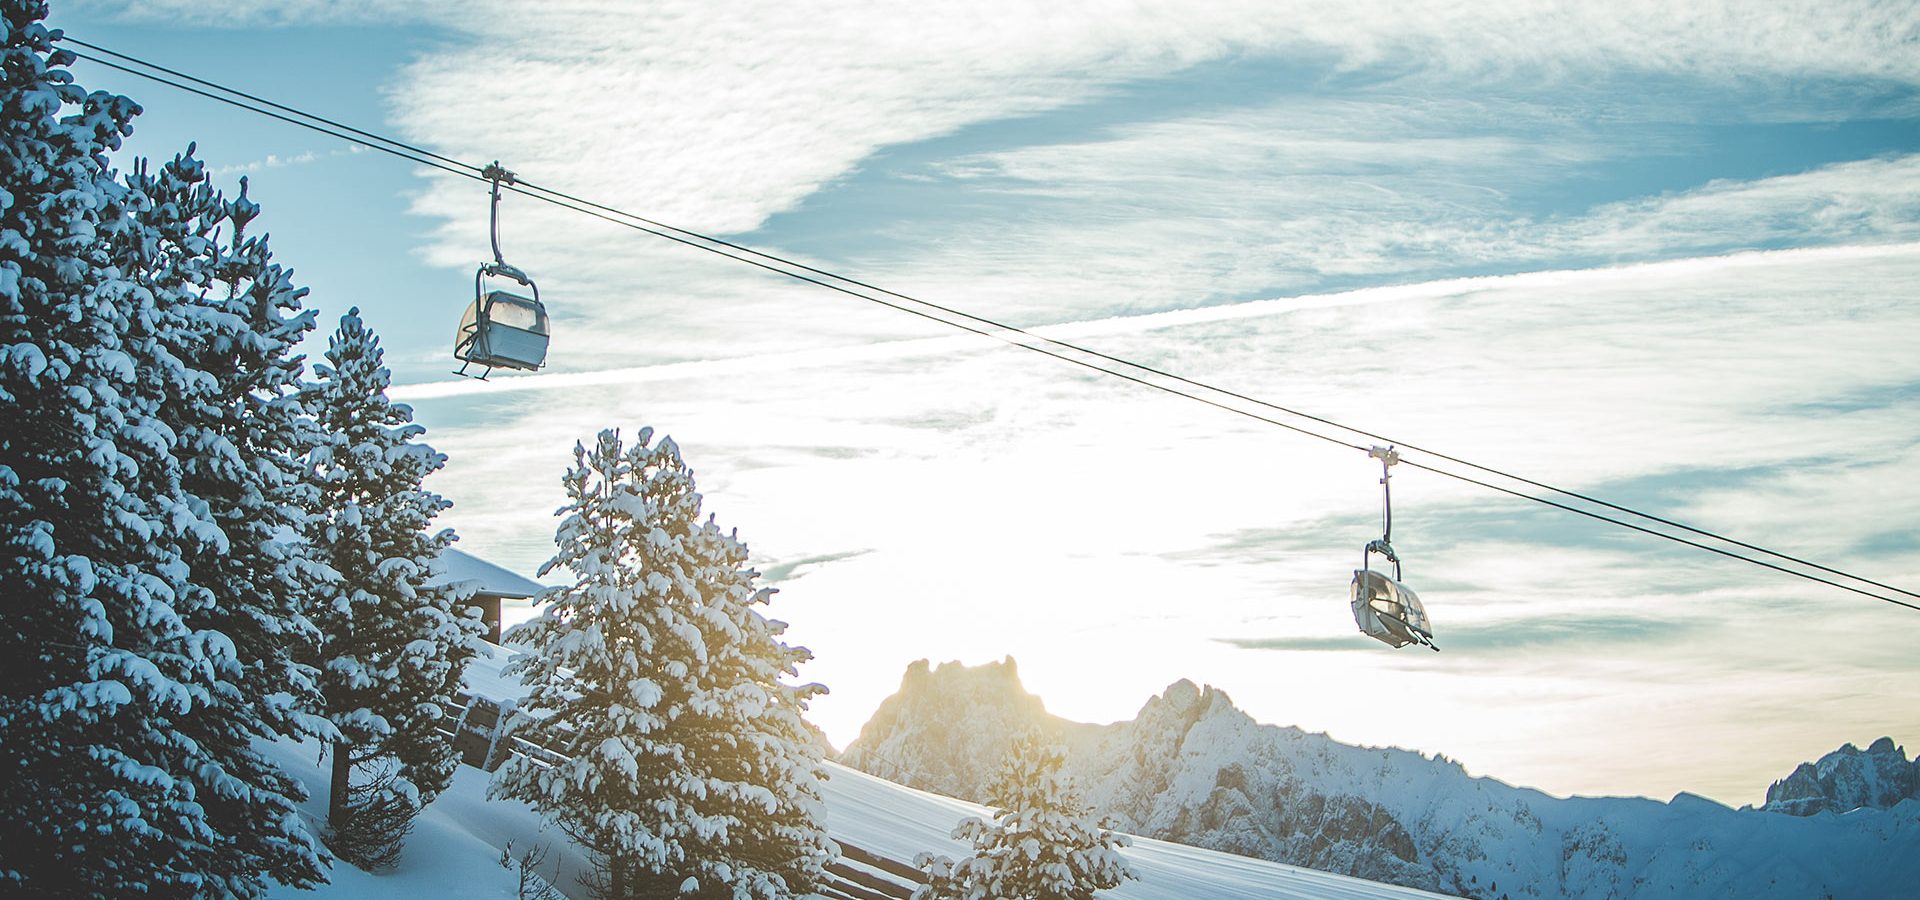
x=1565, y=633
x=1050, y=503
x=271, y=13
x=1216, y=210
x=724, y=122
x=276, y=161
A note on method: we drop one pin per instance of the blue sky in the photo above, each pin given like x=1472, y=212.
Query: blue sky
x=1664, y=256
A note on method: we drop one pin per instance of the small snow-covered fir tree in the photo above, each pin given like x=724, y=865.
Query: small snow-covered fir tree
x=1042, y=845
x=149, y=507
x=392, y=648
x=690, y=772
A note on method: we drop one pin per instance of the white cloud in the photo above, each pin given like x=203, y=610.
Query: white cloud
x=1177, y=213
x=1006, y=504
x=1868, y=200
x=1010, y=504
x=718, y=119
x=276, y=161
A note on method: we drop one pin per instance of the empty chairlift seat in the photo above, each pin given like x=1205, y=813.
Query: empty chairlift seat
x=503, y=331
x=1389, y=611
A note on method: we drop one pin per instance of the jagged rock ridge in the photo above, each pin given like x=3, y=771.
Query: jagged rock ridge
x=969, y=713
x=1193, y=768
x=1848, y=778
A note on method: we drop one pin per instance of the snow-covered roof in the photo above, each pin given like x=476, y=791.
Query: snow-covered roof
x=485, y=577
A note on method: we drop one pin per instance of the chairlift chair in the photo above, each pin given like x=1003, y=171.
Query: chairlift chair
x=501, y=329
x=1385, y=608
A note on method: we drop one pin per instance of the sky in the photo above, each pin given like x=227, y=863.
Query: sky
x=1667, y=257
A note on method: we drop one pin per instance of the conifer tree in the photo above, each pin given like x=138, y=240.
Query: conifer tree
x=228, y=321
x=146, y=512
x=1042, y=845
x=393, y=649
x=689, y=772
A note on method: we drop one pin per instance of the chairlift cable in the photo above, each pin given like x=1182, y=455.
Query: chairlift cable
x=1291, y=427
x=592, y=209
x=1228, y=393
x=1671, y=537
x=996, y=330
x=1184, y=380
x=68, y=38
x=369, y=144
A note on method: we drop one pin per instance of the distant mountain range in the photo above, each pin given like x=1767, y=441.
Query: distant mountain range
x=1194, y=769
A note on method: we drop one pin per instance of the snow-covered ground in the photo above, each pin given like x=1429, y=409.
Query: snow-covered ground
x=899, y=822
x=457, y=846
x=464, y=845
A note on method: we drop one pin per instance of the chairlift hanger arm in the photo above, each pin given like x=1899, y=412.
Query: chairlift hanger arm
x=495, y=174
x=504, y=270
x=1387, y=457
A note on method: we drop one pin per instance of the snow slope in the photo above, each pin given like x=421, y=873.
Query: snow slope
x=456, y=850
x=899, y=822
x=456, y=847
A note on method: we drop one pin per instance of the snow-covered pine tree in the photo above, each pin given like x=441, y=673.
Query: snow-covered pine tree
x=76, y=613
x=218, y=358
x=137, y=660
x=763, y=740
x=392, y=649
x=690, y=773
x=1042, y=845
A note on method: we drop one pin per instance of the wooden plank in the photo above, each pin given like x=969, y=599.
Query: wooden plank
x=884, y=864
x=872, y=887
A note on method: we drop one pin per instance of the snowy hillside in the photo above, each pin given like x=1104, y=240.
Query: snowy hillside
x=1193, y=768
x=465, y=846
x=456, y=849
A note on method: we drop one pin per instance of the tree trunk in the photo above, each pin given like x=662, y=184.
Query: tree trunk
x=337, y=792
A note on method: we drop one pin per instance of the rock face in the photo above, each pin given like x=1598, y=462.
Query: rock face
x=935, y=732
x=1193, y=768
x=1848, y=778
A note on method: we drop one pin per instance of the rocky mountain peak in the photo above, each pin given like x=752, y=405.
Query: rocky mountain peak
x=1185, y=700
x=1846, y=779
x=948, y=726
